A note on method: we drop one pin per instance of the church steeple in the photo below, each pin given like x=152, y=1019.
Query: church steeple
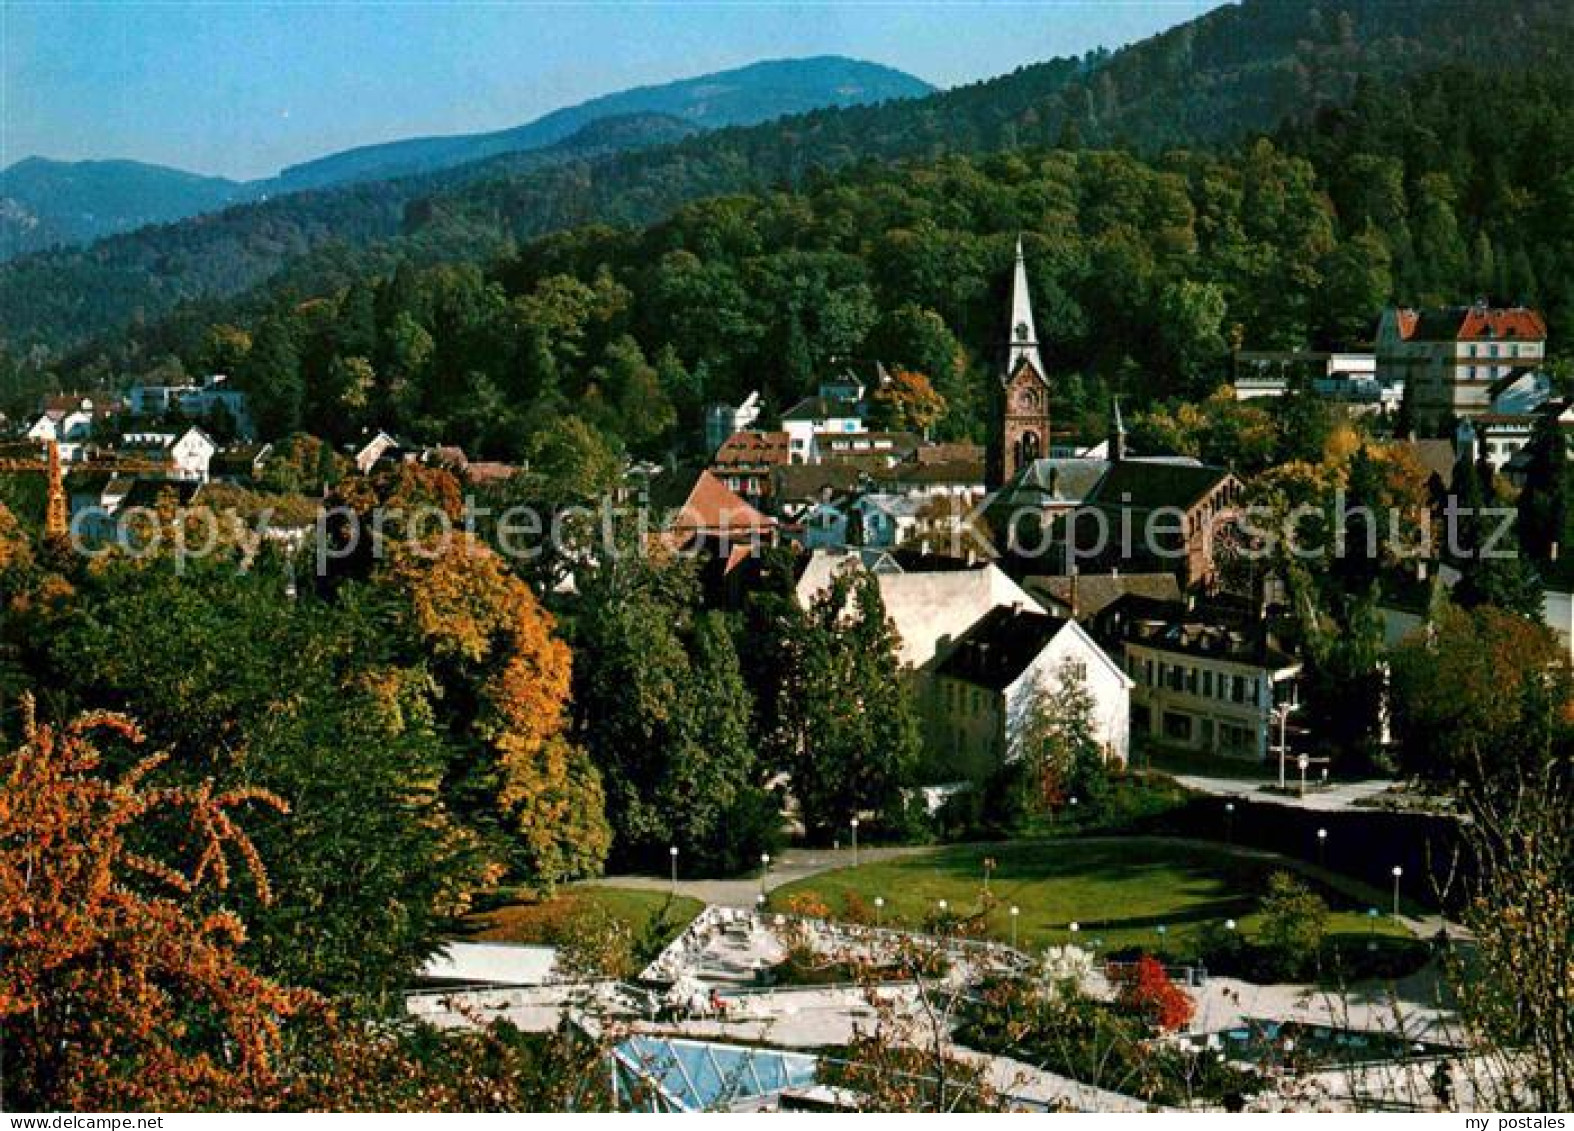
x=1024, y=338
x=1021, y=432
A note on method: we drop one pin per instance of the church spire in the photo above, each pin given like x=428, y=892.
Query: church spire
x=1117, y=434
x=1024, y=338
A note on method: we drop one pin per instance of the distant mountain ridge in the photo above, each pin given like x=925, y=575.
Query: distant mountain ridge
x=46, y=203
x=1238, y=70
x=768, y=89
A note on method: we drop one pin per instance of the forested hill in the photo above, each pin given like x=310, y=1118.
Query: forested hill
x=1233, y=71
x=755, y=93
x=1459, y=182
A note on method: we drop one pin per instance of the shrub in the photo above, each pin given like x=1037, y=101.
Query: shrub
x=1295, y=921
x=1146, y=991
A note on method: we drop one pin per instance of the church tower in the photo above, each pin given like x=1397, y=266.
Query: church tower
x=1021, y=431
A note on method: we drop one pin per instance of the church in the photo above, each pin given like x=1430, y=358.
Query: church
x=1021, y=432
x=1047, y=512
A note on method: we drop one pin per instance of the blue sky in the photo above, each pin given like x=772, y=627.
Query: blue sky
x=242, y=88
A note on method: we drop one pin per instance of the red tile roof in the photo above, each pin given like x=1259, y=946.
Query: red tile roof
x=752, y=449
x=1472, y=324
x=712, y=508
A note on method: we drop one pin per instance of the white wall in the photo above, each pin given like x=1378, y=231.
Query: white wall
x=1106, y=683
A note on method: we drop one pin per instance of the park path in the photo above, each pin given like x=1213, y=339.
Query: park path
x=787, y=867
x=801, y=863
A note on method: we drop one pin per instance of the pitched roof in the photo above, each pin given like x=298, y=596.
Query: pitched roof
x=751, y=449
x=1046, y=481
x=1437, y=456
x=1471, y=323
x=808, y=482
x=1093, y=592
x=999, y=648
x=821, y=408
x=931, y=609
x=712, y=508
x=1149, y=484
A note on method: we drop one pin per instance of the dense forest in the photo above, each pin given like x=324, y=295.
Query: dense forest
x=1450, y=186
x=1238, y=70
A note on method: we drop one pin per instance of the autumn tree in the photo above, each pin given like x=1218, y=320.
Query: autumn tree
x=121, y=984
x=1477, y=690
x=1146, y=990
x=506, y=679
x=907, y=402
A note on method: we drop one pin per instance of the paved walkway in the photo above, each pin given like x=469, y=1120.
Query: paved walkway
x=1323, y=799
x=790, y=866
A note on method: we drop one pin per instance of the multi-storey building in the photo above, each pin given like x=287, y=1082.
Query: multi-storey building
x=1450, y=358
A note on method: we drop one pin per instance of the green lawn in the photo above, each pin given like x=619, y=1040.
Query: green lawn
x=1119, y=891
x=545, y=922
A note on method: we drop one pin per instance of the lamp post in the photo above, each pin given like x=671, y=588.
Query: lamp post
x=989, y=866
x=673, y=854
x=854, y=823
x=765, y=870
x=1322, y=848
x=1303, y=761
x=1398, y=873
x=1073, y=807
x=1015, y=911
x=1161, y=930
x=1075, y=929
x=1281, y=715
x=879, y=911
x=1371, y=928
x=1229, y=822
x=942, y=908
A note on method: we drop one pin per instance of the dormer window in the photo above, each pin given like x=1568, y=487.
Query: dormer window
x=1022, y=331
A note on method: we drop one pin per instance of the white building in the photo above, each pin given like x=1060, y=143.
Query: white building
x=984, y=693
x=818, y=414
x=189, y=454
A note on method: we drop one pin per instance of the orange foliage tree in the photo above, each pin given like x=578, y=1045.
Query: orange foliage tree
x=488, y=635
x=119, y=986
x=908, y=402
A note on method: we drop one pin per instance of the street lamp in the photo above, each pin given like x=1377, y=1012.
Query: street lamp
x=1322, y=848
x=854, y=823
x=1371, y=928
x=1074, y=928
x=879, y=911
x=1015, y=911
x=673, y=853
x=1398, y=872
x=1281, y=715
x=989, y=866
x=942, y=907
x=765, y=870
x=1161, y=930
x=1229, y=822
x=1303, y=761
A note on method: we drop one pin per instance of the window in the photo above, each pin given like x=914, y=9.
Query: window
x=1177, y=726
x=1207, y=684
x=1076, y=670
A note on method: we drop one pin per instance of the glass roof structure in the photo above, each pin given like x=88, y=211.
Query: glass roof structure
x=651, y=1073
